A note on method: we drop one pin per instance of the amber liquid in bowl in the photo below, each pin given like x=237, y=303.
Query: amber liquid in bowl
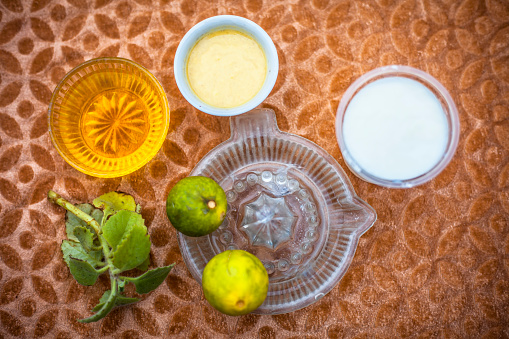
x=108, y=117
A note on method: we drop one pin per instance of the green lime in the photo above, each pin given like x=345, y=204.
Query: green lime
x=235, y=282
x=196, y=206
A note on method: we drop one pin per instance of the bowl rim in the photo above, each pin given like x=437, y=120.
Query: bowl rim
x=61, y=83
x=218, y=22
x=450, y=111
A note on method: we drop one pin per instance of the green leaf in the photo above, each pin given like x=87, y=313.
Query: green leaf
x=127, y=235
x=116, y=228
x=120, y=300
x=97, y=214
x=103, y=300
x=150, y=280
x=73, y=221
x=85, y=237
x=106, y=306
x=121, y=285
x=75, y=250
x=144, y=265
x=113, y=202
x=133, y=250
x=126, y=243
x=83, y=272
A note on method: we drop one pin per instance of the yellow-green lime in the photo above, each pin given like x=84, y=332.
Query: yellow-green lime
x=235, y=282
x=196, y=206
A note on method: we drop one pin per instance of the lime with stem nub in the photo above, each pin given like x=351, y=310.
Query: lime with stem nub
x=235, y=282
x=196, y=206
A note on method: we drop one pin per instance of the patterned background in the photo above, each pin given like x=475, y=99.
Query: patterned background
x=435, y=264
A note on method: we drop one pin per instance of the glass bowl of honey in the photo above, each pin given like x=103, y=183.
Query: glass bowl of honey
x=108, y=117
x=226, y=65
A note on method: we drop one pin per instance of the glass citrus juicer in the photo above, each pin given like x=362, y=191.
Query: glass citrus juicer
x=108, y=117
x=289, y=203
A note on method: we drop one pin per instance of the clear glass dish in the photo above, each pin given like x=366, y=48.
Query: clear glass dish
x=289, y=203
x=441, y=94
x=108, y=117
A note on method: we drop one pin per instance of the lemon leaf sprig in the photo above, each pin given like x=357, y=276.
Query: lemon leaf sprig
x=108, y=236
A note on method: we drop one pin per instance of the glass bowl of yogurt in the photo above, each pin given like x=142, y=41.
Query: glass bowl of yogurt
x=397, y=127
x=226, y=65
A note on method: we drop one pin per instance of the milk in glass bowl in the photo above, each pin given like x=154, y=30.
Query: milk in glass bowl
x=397, y=127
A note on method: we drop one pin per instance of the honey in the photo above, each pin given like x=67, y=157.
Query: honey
x=108, y=119
x=115, y=123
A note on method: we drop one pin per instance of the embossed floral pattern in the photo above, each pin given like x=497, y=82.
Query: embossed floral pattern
x=115, y=123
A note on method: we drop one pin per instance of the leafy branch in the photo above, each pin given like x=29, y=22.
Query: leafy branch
x=108, y=236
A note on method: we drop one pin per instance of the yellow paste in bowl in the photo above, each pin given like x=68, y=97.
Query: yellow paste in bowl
x=226, y=68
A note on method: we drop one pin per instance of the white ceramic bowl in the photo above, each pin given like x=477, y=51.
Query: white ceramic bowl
x=217, y=23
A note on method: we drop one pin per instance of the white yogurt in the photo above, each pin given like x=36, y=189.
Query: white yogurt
x=395, y=129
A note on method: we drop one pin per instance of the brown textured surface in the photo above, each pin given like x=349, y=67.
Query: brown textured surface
x=435, y=264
